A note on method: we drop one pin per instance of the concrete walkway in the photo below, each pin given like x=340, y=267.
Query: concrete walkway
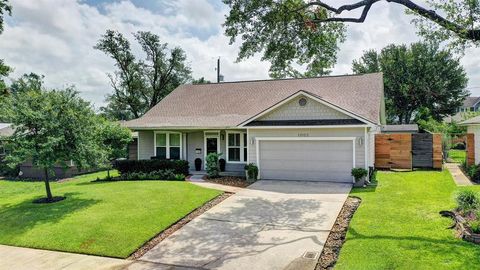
x=457, y=174
x=269, y=225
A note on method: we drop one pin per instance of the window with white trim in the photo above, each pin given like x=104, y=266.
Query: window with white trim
x=168, y=145
x=237, y=147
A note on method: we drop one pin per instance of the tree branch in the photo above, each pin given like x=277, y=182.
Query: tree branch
x=471, y=34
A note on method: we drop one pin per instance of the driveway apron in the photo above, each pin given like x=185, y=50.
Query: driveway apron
x=268, y=225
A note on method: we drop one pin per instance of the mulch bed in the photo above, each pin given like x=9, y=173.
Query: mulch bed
x=233, y=181
x=176, y=226
x=336, y=238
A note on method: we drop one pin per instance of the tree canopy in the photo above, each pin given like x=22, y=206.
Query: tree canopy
x=140, y=84
x=292, y=34
x=5, y=9
x=420, y=81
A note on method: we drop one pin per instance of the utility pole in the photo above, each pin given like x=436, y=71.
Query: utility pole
x=219, y=76
x=218, y=70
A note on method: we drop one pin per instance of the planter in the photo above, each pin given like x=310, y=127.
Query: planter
x=461, y=226
x=198, y=164
x=249, y=179
x=360, y=183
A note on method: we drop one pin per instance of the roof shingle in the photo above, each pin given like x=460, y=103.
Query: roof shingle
x=229, y=104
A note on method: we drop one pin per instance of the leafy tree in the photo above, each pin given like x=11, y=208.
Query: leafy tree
x=201, y=80
x=140, y=84
x=114, y=140
x=5, y=8
x=53, y=127
x=420, y=81
x=306, y=32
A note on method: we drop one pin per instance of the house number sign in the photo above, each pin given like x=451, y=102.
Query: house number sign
x=303, y=134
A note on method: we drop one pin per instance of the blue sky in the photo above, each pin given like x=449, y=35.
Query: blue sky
x=56, y=38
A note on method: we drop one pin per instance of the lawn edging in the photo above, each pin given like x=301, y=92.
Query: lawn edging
x=155, y=240
x=329, y=256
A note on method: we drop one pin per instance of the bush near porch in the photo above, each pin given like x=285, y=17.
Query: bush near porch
x=151, y=165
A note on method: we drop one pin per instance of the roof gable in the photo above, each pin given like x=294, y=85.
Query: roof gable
x=231, y=104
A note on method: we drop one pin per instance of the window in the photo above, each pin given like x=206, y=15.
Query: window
x=168, y=145
x=236, y=147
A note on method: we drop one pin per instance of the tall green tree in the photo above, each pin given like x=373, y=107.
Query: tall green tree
x=298, y=34
x=114, y=140
x=53, y=127
x=420, y=81
x=5, y=9
x=140, y=84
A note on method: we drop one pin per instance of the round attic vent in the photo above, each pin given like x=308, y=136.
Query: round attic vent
x=302, y=102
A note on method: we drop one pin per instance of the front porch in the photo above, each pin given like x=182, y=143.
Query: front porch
x=195, y=145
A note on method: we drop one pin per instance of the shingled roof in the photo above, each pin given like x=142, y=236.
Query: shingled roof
x=229, y=104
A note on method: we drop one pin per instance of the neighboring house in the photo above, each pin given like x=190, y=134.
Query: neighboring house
x=473, y=127
x=413, y=128
x=294, y=129
x=470, y=104
x=27, y=169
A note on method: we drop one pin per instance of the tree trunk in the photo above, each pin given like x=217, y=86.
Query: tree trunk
x=47, y=186
x=108, y=173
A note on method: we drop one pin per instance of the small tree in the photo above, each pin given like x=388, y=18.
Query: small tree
x=114, y=140
x=212, y=164
x=53, y=128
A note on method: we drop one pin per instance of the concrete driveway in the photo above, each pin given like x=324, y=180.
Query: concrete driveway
x=269, y=225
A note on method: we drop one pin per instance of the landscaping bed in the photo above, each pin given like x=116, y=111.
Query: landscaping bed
x=336, y=238
x=229, y=181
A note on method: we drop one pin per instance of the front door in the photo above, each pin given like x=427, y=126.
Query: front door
x=212, y=145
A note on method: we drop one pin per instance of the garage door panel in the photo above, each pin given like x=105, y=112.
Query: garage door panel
x=310, y=160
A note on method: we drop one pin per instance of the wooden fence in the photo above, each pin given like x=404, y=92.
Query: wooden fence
x=407, y=151
x=470, y=149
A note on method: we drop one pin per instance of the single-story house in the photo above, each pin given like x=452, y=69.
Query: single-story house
x=314, y=129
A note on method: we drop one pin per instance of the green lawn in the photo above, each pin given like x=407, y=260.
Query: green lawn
x=103, y=218
x=458, y=156
x=397, y=226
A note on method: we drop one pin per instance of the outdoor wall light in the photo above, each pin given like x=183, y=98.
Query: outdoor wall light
x=222, y=137
x=360, y=141
x=252, y=140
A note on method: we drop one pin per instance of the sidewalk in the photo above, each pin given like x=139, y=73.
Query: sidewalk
x=457, y=174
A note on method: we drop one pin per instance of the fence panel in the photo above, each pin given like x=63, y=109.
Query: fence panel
x=422, y=150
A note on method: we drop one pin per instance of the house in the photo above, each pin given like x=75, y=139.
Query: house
x=314, y=129
x=6, y=131
x=470, y=104
x=473, y=137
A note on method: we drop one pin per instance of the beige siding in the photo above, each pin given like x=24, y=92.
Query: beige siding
x=312, y=110
x=318, y=132
x=476, y=131
x=145, y=144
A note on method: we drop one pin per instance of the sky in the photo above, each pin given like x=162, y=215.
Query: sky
x=55, y=38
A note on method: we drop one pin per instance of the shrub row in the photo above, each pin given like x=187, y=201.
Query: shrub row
x=155, y=175
x=473, y=172
x=153, y=165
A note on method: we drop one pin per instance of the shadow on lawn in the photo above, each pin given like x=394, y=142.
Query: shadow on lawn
x=452, y=248
x=16, y=219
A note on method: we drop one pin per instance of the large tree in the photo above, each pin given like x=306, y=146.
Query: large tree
x=293, y=33
x=5, y=9
x=420, y=81
x=53, y=127
x=140, y=84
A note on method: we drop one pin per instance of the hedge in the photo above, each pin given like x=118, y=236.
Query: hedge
x=151, y=165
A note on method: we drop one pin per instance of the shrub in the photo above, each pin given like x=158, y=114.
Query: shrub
x=213, y=166
x=467, y=201
x=155, y=175
x=359, y=173
x=474, y=226
x=458, y=146
x=474, y=173
x=152, y=165
x=252, y=171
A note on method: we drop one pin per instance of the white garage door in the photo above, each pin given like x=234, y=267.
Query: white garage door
x=306, y=160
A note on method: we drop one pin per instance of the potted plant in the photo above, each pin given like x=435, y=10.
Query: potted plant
x=359, y=174
x=251, y=172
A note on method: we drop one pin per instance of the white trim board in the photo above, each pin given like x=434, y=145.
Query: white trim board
x=259, y=139
x=304, y=93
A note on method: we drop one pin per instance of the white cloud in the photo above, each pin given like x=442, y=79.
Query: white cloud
x=56, y=38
